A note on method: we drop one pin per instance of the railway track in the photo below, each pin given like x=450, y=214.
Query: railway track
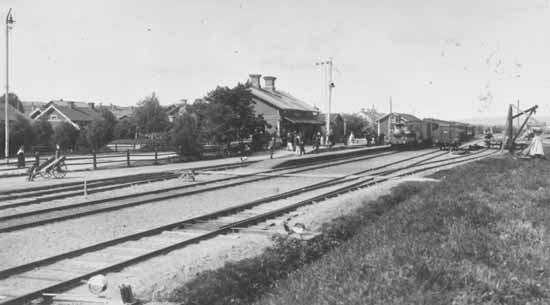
x=61, y=272
x=19, y=198
x=38, y=217
x=59, y=191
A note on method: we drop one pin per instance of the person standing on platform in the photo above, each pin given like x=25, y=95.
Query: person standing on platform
x=21, y=157
x=317, y=142
x=289, y=140
x=302, y=144
x=296, y=142
x=271, y=147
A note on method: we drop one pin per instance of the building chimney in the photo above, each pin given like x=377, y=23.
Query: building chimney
x=71, y=104
x=255, y=80
x=270, y=82
x=92, y=105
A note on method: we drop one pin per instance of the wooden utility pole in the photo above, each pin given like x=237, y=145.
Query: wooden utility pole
x=509, y=131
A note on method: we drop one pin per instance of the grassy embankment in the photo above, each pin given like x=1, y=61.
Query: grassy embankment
x=476, y=237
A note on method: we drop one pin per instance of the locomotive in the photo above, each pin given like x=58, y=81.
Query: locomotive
x=415, y=132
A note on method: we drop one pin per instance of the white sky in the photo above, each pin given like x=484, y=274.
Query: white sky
x=436, y=58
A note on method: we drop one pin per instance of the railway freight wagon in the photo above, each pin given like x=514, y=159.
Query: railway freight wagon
x=445, y=134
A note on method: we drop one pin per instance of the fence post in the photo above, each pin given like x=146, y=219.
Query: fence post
x=128, y=158
x=116, y=147
x=156, y=156
x=94, y=159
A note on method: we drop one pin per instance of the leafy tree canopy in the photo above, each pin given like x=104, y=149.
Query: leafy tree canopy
x=150, y=116
x=98, y=132
x=42, y=133
x=13, y=100
x=65, y=134
x=227, y=114
x=186, y=134
x=125, y=129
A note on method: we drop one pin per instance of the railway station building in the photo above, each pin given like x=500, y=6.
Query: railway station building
x=283, y=112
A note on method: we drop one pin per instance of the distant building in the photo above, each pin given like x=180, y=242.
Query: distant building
x=386, y=122
x=282, y=111
x=31, y=106
x=120, y=112
x=78, y=114
x=370, y=115
x=176, y=110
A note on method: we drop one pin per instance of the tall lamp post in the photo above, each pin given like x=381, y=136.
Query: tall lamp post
x=330, y=86
x=9, y=22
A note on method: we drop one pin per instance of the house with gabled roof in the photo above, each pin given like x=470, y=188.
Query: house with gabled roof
x=176, y=110
x=31, y=106
x=283, y=112
x=78, y=114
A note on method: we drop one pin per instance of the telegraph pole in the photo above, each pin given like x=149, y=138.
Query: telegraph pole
x=330, y=87
x=9, y=22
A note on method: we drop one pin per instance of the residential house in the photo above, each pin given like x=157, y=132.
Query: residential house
x=78, y=114
x=30, y=106
x=175, y=110
x=283, y=112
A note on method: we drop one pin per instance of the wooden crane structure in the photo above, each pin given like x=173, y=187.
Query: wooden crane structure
x=510, y=138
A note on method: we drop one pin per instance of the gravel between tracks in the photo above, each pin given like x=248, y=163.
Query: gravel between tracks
x=21, y=246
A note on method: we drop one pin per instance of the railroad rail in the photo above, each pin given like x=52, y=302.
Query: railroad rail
x=71, y=189
x=59, y=273
x=43, y=216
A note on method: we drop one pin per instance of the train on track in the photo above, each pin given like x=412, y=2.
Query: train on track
x=409, y=131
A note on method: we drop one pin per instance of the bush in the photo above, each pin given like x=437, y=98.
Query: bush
x=186, y=135
x=65, y=135
x=42, y=133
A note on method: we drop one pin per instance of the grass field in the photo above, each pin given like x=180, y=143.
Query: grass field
x=478, y=236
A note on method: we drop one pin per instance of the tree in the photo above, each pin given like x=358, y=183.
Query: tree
x=42, y=132
x=13, y=100
x=150, y=116
x=110, y=122
x=65, y=135
x=228, y=114
x=186, y=134
x=20, y=134
x=357, y=125
x=125, y=129
x=97, y=133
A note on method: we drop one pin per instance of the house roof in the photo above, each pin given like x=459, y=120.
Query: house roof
x=333, y=116
x=281, y=99
x=371, y=114
x=76, y=114
x=12, y=112
x=404, y=116
x=120, y=111
x=30, y=106
x=300, y=120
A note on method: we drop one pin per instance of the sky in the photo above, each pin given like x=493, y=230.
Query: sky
x=434, y=58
